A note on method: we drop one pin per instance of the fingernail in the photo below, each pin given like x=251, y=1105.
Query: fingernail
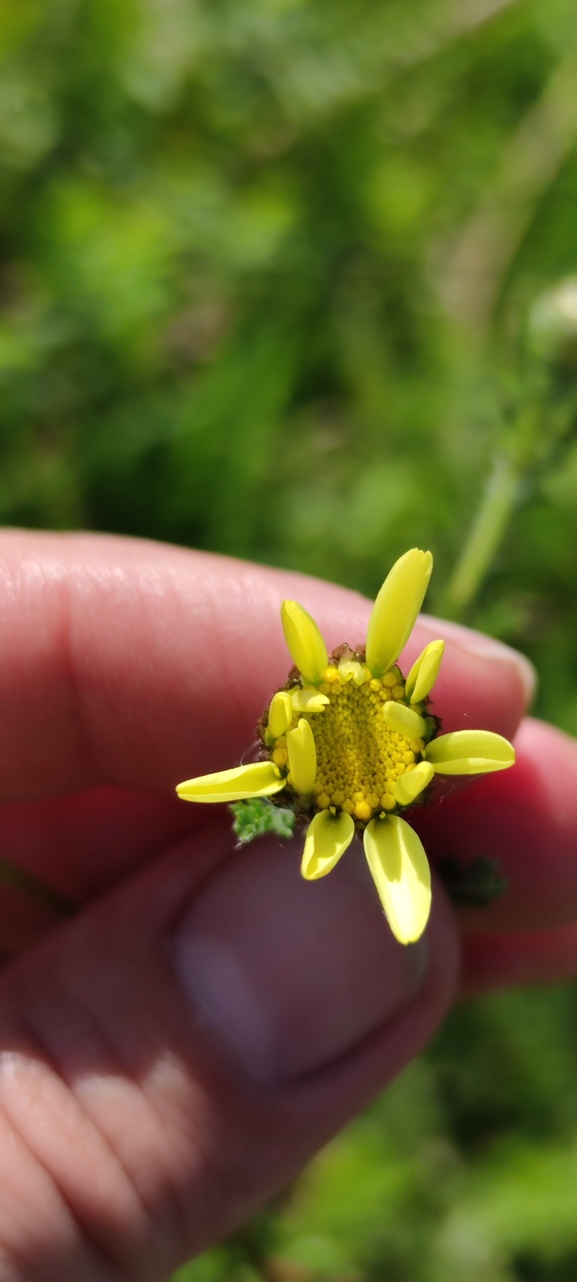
x=485, y=647
x=290, y=974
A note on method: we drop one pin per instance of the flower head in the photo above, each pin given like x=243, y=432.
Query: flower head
x=353, y=745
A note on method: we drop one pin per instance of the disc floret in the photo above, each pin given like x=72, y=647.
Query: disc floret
x=353, y=745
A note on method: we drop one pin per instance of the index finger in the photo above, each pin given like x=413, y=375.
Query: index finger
x=137, y=663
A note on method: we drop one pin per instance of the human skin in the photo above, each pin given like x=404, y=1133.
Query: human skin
x=174, y=1052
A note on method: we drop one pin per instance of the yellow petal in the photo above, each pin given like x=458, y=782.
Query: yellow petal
x=302, y=757
x=396, y=609
x=308, y=700
x=404, y=720
x=327, y=839
x=424, y=672
x=258, y=780
x=469, y=752
x=306, y=645
x=352, y=670
x=280, y=714
x=410, y=785
x=401, y=874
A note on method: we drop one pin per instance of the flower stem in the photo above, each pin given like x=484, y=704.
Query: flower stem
x=498, y=501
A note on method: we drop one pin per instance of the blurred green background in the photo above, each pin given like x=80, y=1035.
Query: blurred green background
x=297, y=280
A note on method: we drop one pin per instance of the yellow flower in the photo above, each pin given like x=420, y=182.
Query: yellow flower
x=353, y=744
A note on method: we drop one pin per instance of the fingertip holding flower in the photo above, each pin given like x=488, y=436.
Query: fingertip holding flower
x=352, y=745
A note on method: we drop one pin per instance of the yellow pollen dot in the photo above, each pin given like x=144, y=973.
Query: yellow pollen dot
x=374, y=684
x=388, y=801
x=390, y=679
x=398, y=691
x=362, y=810
x=417, y=745
x=280, y=756
x=323, y=802
x=331, y=674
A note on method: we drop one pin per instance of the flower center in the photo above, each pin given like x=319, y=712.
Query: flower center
x=359, y=757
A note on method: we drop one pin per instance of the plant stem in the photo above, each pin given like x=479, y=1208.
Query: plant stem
x=486, y=533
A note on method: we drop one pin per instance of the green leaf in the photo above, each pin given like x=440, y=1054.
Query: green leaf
x=254, y=818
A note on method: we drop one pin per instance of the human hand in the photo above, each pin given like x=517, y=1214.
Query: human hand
x=173, y=1054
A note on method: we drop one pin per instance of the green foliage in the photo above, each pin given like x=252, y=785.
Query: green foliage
x=296, y=280
x=255, y=818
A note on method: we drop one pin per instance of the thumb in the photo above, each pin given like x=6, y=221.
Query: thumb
x=171, y=1057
